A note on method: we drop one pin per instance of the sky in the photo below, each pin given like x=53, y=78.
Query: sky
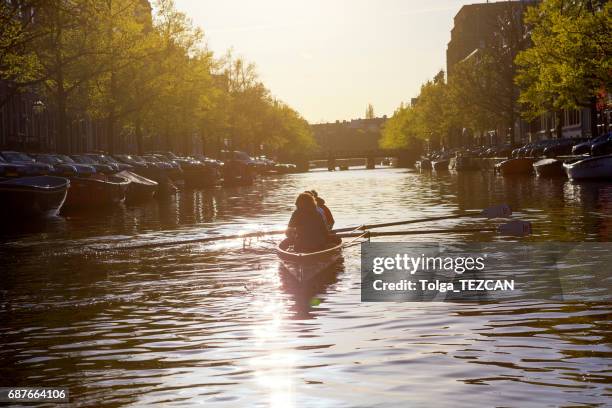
x=329, y=58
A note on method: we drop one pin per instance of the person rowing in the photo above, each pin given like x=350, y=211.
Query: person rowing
x=327, y=214
x=307, y=227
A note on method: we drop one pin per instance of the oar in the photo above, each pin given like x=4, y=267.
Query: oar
x=498, y=211
x=515, y=228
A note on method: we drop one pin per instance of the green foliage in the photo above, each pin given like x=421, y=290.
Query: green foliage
x=143, y=74
x=570, y=62
x=431, y=118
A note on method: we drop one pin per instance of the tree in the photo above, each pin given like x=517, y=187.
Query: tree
x=430, y=119
x=570, y=60
x=64, y=48
x=369, y=114
x=122, y=43
x=18, y=62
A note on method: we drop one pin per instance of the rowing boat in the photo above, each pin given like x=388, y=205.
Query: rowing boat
x=304, y=266
x=26, y=197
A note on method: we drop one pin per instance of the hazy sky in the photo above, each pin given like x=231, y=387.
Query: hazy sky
x=329, y=58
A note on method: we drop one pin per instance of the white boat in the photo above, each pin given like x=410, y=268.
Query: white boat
x=304, y=266
x=598, y=167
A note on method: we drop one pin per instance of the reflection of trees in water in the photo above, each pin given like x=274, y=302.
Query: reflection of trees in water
x=572, y=210
x=306, y=294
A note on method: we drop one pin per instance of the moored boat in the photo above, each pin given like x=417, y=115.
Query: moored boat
x=515, y=166
x=549, y=168
x=598, y=167
x=440, y=164
x=96, y=192
x=39, y=196
x=423, y=164
x=140, y=188
x=306, y=265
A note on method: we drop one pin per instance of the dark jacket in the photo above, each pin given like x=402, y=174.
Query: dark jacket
x=311, y=231
x=329, y=218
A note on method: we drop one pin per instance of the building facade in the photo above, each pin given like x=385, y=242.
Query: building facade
x=476, y=28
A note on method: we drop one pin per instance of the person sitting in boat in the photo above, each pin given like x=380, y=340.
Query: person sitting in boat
x=319, y=209
x=327, y=214
x=306, y=227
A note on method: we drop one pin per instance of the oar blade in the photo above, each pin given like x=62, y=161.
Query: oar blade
x=498, y=211
x=515, y=228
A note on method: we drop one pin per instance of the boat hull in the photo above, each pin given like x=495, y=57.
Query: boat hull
x=599, y=167
x=32, y=196
x=140, y=188
x=516, y=167
x=96, y=192
x=306, y=266
x=440, y=165
x=423, y=165
x=549, y=168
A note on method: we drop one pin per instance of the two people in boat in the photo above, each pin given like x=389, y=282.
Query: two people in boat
x=310, y=223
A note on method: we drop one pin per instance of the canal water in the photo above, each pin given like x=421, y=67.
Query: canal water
x=220, y=324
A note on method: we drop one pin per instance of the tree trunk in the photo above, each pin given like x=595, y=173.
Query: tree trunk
x=559, y=123
x=62, y=144
x=593, y=111
x=139, y=136
x=110, y=133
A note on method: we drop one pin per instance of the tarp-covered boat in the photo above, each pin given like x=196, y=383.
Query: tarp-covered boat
x=95, y=192
x=140, y=188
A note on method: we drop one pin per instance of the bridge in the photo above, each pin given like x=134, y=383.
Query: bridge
x=341, y=159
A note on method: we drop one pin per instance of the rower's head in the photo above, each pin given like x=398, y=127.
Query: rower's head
x=318, y=199
x=305, y=202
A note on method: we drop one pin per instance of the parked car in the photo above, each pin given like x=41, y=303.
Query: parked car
x=31, y=166
x=585, y=147
x=560, y=147
x=134, y=161
x=108, y=160
x=11, y=170
x=100, y=167
x=59, y=167
x=264, y=164
x=602, y=147
x=208, y=161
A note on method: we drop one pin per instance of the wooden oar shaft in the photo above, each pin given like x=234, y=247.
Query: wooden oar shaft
x=420, y=232
x=193, y=241
x=406, y=222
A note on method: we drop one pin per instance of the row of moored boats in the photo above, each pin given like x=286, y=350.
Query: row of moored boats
x=576, y=159
x=42, y=184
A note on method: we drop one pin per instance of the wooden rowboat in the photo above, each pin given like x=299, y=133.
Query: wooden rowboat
x=306, y=265
x=25, y=197
x=549, y=168
x=516, y=166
